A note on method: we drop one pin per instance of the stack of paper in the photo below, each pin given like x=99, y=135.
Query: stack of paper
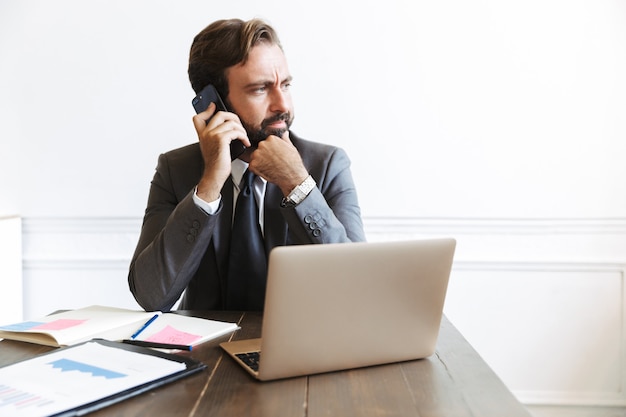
x=86, y=377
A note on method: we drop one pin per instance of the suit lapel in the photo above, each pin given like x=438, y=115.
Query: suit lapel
x=221, y=234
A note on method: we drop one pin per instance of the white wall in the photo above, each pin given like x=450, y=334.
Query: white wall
x=456, y=108
x=499, y=123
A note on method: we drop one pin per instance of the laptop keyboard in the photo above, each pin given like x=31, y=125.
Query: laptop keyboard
x=251, y=359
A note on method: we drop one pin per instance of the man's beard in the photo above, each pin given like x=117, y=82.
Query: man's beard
x=256, y=135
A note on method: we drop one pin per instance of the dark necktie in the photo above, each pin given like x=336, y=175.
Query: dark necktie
x=247, y=269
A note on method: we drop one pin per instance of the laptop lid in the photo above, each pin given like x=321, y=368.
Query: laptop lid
x=340, y=306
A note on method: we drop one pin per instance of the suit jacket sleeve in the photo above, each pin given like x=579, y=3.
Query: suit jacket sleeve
x=331, y=212
x=174, y=236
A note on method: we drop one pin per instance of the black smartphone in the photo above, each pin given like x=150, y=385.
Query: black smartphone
x=200, y=103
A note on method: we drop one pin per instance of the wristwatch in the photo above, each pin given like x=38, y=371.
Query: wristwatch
x=299, y=193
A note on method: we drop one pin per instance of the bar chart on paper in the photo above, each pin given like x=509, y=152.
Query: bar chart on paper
x=20, y=400
x=13, y=399
x=69, y=378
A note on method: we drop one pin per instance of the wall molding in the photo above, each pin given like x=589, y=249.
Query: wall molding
x=522, y=226
x=374, y=224
x=117, y=264
x=75, y=264
x=81, y=224
x=481, y=243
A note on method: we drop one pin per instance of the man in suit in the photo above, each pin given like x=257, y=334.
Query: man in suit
x=304, y=192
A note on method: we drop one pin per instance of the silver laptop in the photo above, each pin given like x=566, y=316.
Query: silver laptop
x=348, y=305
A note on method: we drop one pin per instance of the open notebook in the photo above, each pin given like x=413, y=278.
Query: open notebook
x=75, y=326
x=340, y=306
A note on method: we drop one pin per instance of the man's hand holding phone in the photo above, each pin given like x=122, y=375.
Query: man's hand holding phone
x=201, y=103
x=217, y=130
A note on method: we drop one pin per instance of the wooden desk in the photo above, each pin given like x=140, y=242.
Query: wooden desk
x=454, y=382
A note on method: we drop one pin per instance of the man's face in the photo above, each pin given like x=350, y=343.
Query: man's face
x=259, y=92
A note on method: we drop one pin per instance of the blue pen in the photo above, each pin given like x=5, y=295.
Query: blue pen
x=142, y=328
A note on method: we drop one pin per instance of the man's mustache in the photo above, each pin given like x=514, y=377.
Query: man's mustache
x=277, y=118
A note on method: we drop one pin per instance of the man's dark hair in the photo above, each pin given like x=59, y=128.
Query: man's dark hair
x=221, y=45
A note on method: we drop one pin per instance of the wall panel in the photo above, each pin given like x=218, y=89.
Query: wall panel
x=542, y=300
x=10, y=269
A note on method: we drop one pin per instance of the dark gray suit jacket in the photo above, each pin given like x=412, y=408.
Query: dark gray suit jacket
x=181, y=248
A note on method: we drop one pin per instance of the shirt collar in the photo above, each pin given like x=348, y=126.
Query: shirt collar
x=237, y=169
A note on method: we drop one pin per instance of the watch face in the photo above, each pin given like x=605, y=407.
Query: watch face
x=299, y=193
x=297, y=196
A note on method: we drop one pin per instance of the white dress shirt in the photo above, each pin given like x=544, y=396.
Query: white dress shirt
x=238, y=168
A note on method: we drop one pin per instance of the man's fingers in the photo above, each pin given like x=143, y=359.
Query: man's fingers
x=201, y=119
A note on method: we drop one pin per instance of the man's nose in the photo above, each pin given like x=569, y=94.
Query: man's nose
x=279, y=101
